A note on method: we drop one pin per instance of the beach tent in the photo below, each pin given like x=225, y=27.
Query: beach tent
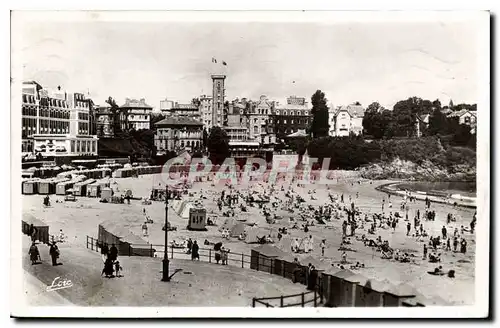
x=128, y=244
x=262, y=257
x=237, y=229
x=255, y=232
x=351, y=291
x=228, y=224
x=335, y=288
x=320, y=266
x=371, y=293
x=397, y=294
x=42, y=229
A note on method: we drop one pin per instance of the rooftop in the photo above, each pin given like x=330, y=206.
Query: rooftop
x=179, y=120
x=134, y=103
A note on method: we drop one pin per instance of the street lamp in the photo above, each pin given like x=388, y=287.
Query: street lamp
x=165, y=276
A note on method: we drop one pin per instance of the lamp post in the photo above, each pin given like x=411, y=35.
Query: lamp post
x=165, y=262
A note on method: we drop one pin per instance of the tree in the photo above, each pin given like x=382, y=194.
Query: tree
x=374, y=107
x=218, y=145
x=115, y=112
x=319, y=126
x=450, y=105
x=155, y=118
x=438, y=123
x=205, y=137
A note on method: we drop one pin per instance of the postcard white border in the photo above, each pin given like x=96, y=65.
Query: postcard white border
x=480, y=309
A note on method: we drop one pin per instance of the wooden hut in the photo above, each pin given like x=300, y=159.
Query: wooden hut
x=284, y=266
x=62, y=187
x=395, y=295
x=371, y=293
x=351, y=291
x=42, y=229
x=125, y=241
x=30, y=187
x=106, y=194
x=197, y=219
x=262, y=257
x=334, y=288
x=93, y=190
x=80, y=188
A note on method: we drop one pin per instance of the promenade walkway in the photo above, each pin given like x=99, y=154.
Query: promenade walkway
x=198, y=284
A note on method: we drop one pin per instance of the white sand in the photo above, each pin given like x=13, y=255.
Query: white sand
x=82, y=218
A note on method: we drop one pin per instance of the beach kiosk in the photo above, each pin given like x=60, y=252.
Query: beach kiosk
x=42, y=229
x=197, y=219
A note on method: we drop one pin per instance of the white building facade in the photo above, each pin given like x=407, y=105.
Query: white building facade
x=138, y=113
x=348, y=119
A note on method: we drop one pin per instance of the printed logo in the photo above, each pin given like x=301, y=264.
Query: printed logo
x=59, y=283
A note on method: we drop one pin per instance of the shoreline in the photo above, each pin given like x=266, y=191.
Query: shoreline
x=421, y=195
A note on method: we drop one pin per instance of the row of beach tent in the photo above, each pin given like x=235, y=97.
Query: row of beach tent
x=129, y=171
x=340, y=287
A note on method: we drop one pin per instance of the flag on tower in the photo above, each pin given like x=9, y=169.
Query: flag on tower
x=224, y=63
x=214, y=60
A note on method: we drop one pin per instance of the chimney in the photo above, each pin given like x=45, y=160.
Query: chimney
x=143, y=101
x=59, y=88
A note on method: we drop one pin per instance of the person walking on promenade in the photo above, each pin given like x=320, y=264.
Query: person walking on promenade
x=425, y=251
x=34, y=253
x=408, y=228
x=113, y=253
x=189, y=245
x=54, y=253
x=194, y=251
x=444, y=232
x=104, y=251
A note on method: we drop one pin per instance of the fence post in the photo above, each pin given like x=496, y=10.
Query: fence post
x=281, y=301
x=242, y=261
x=87, y=242
x=253, y=302
x=151, y=252
x=209, y=256
x=302, y=299
x=172, y=251
x=315, y=297
x=129, y=249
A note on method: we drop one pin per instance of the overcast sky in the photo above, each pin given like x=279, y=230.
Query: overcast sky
x=368, y=62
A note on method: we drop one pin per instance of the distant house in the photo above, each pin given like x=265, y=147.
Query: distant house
x=348, y=119
x=421, y=122
x=464, y=116
x=138, y=114
x=177, y=133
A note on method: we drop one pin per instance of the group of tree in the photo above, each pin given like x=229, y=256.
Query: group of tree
x=381, y=123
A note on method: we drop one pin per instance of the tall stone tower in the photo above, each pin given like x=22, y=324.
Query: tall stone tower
x=218, y=96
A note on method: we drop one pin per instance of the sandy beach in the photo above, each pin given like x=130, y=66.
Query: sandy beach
x=81, y=218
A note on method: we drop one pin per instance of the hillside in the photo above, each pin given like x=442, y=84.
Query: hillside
x=430, y=158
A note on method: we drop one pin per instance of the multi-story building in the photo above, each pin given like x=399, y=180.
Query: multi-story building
x=166, y=105
x=237, y=127
x=177, y=133
x=206, y=111
x=138, y=114
x=259, y=123
x=218, y=96
x=30, y=114
x=192, y=110
x=348, y=119
x=291, y=117
x=51, y=124
x=104, y=121
x=80, y=114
